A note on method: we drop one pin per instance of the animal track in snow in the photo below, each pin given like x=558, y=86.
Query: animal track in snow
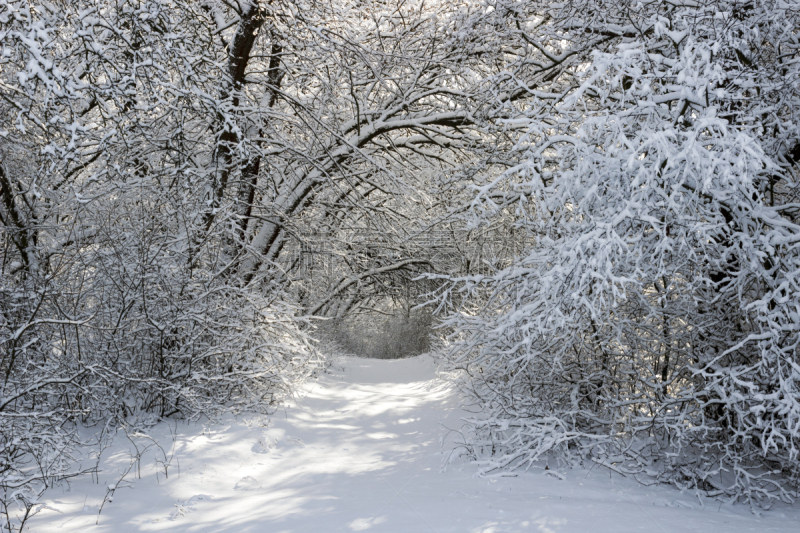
x=184, y=507
x=247, y=483
x=269, y=441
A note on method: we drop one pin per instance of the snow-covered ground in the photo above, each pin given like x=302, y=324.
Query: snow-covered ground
x=360, y=451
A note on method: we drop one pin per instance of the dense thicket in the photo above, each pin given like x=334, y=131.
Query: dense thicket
x=182, y=181
x=652, y=323
x=605, y=188
x=115, y=301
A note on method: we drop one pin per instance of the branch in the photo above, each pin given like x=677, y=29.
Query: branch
x=350, y=280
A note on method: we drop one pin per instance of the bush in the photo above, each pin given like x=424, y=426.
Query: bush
x=653, y=326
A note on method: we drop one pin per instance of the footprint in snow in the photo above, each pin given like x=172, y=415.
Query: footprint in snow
x=247, y=483
x=293, y=442
x=184, y=507
x=266, y=443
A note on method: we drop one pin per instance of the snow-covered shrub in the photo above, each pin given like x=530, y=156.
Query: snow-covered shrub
x=653, y=326
x=120, y=285
x=127, y=331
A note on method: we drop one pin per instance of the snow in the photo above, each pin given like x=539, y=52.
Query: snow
x=360, y=450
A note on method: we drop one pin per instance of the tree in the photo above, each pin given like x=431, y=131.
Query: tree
x=183, y=180
x=113, y=303
x=651, y=324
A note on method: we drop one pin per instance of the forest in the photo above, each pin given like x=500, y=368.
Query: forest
x=589, y=210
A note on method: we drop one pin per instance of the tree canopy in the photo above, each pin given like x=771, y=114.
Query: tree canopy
x=599, y=198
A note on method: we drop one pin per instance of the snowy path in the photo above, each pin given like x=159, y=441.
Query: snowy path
x=361, y=452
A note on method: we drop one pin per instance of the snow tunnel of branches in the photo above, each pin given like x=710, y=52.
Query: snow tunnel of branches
x=587, y=209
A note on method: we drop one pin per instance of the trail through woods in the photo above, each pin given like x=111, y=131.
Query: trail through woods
x=361, y=450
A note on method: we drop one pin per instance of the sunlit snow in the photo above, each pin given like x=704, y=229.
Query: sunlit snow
x=360, y=450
